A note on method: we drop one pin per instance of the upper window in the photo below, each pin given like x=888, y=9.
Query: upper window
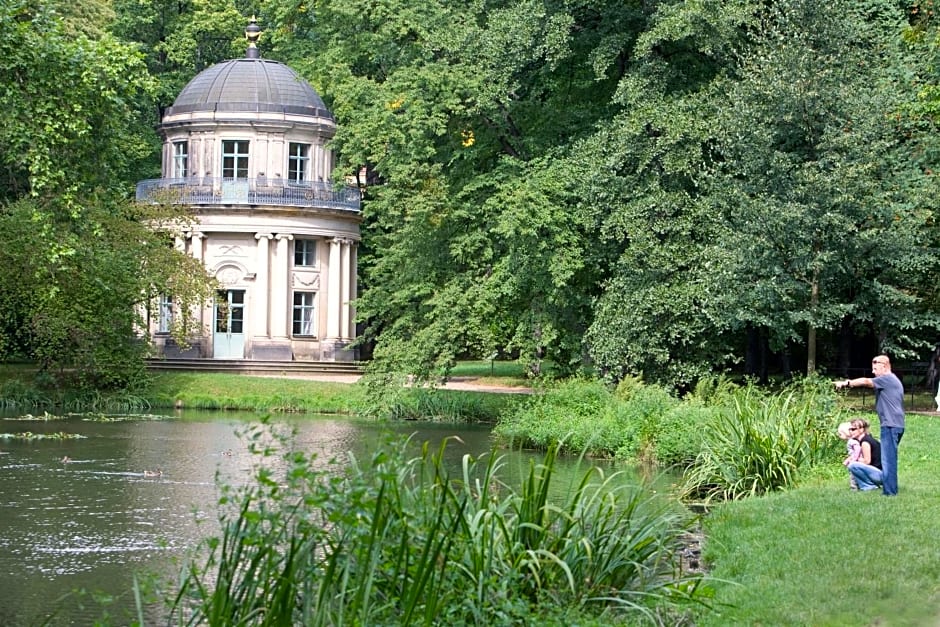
x=234, y=159
x=180, y=160
x=305, y=252
x=297, y=162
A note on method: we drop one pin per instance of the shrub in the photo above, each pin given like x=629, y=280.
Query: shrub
x=713, y=390
x=582, y=413
x=584, y=416
x=679, y=435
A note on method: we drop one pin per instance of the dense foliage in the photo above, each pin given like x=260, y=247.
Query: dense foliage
x=655, y=189
x=660, y=188
x=80, y=261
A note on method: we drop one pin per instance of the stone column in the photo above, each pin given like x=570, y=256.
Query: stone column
x=333, y=291
x=277, y=160
x=353, y=281
x=259, y=156
x=195, y=146
x=270, y=341
x=196, y=250
x=209, y=159
x=345, y=288
x=261, y=294
x=280, y=286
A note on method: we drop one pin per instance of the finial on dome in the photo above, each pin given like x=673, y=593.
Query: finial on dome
x=253, y=34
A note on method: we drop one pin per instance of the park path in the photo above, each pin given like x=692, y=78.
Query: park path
x=470, y=384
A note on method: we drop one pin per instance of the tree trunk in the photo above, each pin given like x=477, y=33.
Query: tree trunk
x=811, y=332
x=845, y=348
x=752, y=351
x=785, y=363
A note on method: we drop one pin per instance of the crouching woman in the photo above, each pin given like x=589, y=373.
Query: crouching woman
x=867, y=470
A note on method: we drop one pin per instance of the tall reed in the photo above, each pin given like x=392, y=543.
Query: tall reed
x=396, y=540
x=762, y=442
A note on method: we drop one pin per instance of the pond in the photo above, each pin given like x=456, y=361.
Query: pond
x=134, y=496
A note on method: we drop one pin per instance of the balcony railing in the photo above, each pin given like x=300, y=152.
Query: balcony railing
x=257, y=191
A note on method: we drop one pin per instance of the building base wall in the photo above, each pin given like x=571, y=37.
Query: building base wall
x=337, y=350
x=270, y=350
x=168, y=347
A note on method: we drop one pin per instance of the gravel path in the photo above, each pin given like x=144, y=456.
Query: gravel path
x=471, y=384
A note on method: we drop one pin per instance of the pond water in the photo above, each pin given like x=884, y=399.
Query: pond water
x=88, y=514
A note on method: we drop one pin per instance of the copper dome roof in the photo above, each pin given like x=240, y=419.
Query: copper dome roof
x=250, y=85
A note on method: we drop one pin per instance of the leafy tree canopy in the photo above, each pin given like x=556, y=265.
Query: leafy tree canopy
x=86, y=259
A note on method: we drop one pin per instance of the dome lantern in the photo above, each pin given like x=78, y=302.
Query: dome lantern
x=253, y=34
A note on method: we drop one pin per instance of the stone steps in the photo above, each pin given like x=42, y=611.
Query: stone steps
x=255, y=367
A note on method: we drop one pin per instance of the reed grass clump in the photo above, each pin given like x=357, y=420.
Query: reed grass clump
x=398, y=540
x=15, y=394
x=445, y=406
x=728, y=440
x=759, y=442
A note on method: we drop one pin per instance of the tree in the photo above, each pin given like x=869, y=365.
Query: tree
x=824, y=200
x=85, y=257
x=664, y=309
x=179, y=39
x=461, y=112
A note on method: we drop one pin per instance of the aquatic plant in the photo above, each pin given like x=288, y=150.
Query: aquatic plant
x=46, y=417
x=29, y=436
x=123, y=417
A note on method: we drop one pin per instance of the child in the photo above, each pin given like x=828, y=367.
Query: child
x=853, y=449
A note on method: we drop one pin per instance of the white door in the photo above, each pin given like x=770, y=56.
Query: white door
x=228, y=340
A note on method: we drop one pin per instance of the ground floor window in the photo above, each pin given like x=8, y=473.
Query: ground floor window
x=165, y=316
x=304, y=309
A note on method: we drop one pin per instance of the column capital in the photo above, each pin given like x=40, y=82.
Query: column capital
x=261, y=236
x=284, y=236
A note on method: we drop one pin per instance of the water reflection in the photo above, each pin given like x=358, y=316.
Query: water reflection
x=95, y=520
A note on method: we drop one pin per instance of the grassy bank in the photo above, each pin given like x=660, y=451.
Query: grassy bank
x=807, y=552
x=215, y=392
x=262, y=394
x=821, y=554
x=202, y=390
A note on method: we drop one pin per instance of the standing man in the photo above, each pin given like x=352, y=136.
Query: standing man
x=889, y=405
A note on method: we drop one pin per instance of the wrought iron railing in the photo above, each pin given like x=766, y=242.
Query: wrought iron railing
x=257, y=191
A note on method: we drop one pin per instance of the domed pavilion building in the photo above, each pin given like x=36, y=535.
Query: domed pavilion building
x=244, y=145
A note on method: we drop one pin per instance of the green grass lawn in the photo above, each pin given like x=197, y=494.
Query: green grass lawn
x=484, y=372
x=202, y=390
x=822, y=554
